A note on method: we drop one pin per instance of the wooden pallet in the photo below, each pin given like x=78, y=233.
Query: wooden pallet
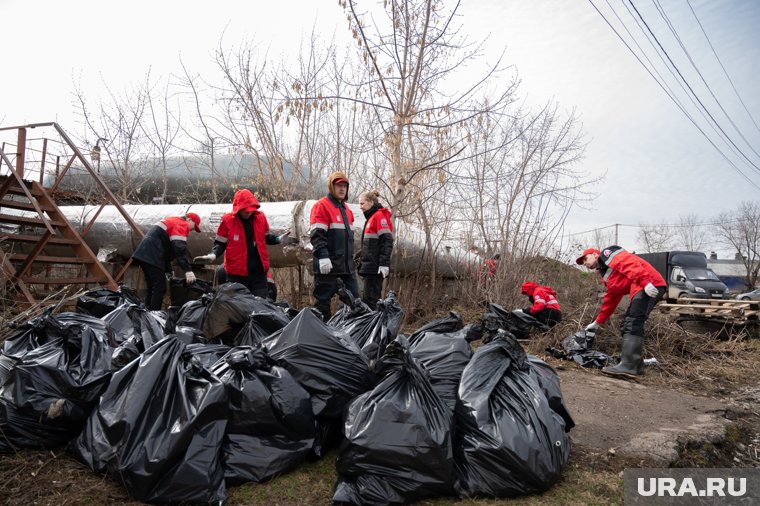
x=725, y=309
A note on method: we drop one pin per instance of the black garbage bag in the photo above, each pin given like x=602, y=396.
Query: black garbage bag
x=159, y=427
x=328, y=364
x=265, y=319
x=579, y=341
x=577, y=347
x=53, y=388
x=227, y=311
x=191, y=314
x=180, y=292
x=372, y=331
x=444, y=325
x=549, y=381
x=444, y=356
x=208, y=353
x=135, y=329
x=509, y=440
x=398, y=438
x=324, y=360
x=271, y=426
x=101, y=301
x=31, y=334
x=167, y=319
x=516, y=322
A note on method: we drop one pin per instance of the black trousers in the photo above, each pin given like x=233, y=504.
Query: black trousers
x=326, y=285
x=549, y=316
x=155, y=279
x=638, y=312
x=256, y=284
x=373, y=286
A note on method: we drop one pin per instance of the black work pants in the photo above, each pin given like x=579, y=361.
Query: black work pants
x=373, y=286
x=256, y=284
x=549, y=316
x=326, y=285
x=638, y=312
x=155, y=279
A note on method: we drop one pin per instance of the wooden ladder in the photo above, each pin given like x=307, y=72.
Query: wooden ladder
x=40, y=246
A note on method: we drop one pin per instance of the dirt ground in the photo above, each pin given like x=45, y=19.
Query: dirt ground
x=639, y=420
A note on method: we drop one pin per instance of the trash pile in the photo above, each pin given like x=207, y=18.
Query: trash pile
x=230, y=388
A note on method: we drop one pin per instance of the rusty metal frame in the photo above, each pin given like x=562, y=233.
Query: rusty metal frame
x=95, y=268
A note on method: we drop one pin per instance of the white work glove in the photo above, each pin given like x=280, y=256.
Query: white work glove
x=384, y=271
x=204, y=259
x=325, y=265
x=190, y=277
x=591, y=327
x=651, y=290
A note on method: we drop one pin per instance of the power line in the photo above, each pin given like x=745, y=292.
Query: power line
x=699, y=73
x=680, y=107
x=723, y=67
x=690, y=88
x=660, y=225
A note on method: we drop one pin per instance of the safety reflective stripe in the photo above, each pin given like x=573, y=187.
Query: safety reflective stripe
x=536, y=299
x=370, y=236
x=178, y=238
x=161, y=224
x=553, y=302
x=219, y=238
x=337, y=225
x=317, y=225
x=607, y=274
x=384, y=231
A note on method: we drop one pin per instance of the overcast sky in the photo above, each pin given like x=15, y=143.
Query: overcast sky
x=658, y=165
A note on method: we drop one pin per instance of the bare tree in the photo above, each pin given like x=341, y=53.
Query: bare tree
x=655, y=237
x=690, y=235
x=740, y=230
x=118, y=121
x=205, y=136
x=411, y=48
x=161, y=127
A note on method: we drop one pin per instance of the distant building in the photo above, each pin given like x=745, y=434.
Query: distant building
x=732, y=272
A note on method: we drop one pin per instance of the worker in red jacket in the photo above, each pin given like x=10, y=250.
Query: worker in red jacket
x=332, y=238
x=242, y=238
x=165, y=241
x=377, y=246
x=545, y=306
x=624, y=274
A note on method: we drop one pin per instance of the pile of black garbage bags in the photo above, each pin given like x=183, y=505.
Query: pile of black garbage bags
x=230, y=388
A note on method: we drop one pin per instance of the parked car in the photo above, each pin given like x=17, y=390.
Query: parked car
x=753, y=295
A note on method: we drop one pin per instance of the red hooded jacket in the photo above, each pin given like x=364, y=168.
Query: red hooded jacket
x=541, y=296
x=230, y=236
x=623, y=274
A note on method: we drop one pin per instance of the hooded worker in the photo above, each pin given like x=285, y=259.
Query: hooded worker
x=544, y=304
x=624, y=273
x=242, y=237
x=165, y=241
x=332, y=238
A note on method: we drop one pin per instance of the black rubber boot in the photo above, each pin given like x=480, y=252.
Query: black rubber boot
x=631, y=361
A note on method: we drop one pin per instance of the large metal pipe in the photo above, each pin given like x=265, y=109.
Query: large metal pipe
x=109, y=235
